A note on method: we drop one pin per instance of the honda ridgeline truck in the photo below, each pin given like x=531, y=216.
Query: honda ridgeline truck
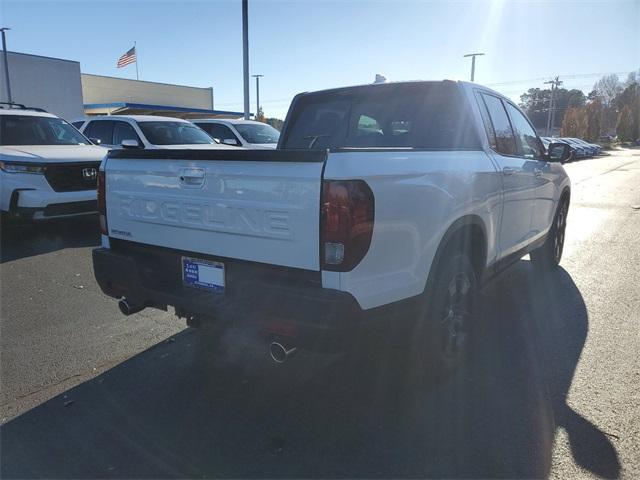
x=400, y=197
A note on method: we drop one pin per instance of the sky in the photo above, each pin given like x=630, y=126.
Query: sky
x=310, y=45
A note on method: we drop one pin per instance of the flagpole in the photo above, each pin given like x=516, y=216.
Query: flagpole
x=136, y=50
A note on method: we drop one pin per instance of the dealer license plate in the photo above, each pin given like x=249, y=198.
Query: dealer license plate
x=203, y=274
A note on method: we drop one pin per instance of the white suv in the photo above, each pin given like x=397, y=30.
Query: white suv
x=241, y=133
x=146, y=131
x=47, y=168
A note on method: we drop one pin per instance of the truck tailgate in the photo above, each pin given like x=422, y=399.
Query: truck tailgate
x=255, y=205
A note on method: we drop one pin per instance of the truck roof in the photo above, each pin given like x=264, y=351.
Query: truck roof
x=381, y=86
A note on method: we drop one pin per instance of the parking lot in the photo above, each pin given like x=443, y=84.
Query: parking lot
x=552, y=387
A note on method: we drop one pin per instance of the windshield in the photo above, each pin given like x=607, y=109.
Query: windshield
x=33, y=130
x=255, y=133
x=174, y=133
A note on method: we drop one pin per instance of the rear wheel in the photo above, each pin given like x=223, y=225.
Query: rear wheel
x=449, y=315
x=548, y=256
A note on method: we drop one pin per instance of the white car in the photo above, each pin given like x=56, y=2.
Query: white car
x=146, y=131
x=387, y=202
x=47, y=168
x=240, y=133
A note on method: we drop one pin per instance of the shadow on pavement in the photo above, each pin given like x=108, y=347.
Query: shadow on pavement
x=35, y=238
x=196, y=406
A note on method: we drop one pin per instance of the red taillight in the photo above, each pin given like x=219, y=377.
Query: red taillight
x=346, y=223
x=102, y=203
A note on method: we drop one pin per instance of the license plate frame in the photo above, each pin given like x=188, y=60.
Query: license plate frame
x=203, y=274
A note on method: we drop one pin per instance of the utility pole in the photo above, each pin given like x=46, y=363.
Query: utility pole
x=257, y=77
x=245, y=55
x=6, y=62
x=551, y=114
x=473, y=62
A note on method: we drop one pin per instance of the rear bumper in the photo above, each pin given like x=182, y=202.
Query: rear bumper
x=283, y=302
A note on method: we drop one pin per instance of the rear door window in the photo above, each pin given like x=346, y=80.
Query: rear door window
x=124, y=131
x=218, y=131
x=422, y=116
x=102, y=130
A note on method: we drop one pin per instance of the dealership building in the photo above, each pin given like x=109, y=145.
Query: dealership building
x=58, y=86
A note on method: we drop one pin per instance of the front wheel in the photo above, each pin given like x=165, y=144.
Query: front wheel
x=547, y=257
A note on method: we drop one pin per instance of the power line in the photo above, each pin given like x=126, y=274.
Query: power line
x=566, y=77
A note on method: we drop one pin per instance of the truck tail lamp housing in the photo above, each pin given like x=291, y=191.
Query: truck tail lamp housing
x=102, y=202
x=346, y=223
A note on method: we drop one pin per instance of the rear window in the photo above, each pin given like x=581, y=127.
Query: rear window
x=424, y=116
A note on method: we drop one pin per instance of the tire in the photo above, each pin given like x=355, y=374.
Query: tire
x=446, y=328
x=548, y=256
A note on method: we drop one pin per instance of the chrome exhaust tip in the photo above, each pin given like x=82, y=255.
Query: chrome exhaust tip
x=127, y=309
x=280, y=353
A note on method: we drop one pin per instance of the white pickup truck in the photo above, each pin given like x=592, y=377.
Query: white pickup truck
x=399, y=197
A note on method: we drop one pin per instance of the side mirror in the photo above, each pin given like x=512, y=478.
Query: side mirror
x=130, y=143
x=558, y=152
x=230, y=141
x=96, y=141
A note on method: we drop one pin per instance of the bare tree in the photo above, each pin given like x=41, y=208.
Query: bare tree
x=607, y=89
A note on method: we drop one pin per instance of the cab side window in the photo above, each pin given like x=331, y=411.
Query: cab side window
x=529, y=144
x=218, y=131
x=504, y=140
x=100, y=129
x=124, y=131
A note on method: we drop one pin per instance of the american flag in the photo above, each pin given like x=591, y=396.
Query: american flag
x=127, y=58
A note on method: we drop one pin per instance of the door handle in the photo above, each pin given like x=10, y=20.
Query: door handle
x=508, y=171
x=192, y=177
x=537, y=172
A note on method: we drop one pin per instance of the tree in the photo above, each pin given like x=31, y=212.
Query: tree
x=625, y=128
x=606, y=90
x=535, y=102
x=275, y=123
x=574, y=123
x=260, y=116
x=593, y=113
x=628, y=104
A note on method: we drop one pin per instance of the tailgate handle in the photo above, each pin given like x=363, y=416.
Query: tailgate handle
x=192, y=177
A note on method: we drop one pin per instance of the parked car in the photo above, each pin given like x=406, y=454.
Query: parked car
x=47, y=168
x=78, y=123
x=396, y=197
x=546, y=141
x=240, y=133
x=582, y=151
x=593, y=148
x=146, y=131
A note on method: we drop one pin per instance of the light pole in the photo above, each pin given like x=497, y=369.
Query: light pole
x=473, y=62
x=6, y=63
x=551, y=114
x=257, y=77
x=245, y=55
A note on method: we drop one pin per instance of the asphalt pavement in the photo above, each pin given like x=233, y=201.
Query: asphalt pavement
x=552, y=388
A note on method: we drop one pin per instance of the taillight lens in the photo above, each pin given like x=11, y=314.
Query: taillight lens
x=346, y=223
x=102, y=203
